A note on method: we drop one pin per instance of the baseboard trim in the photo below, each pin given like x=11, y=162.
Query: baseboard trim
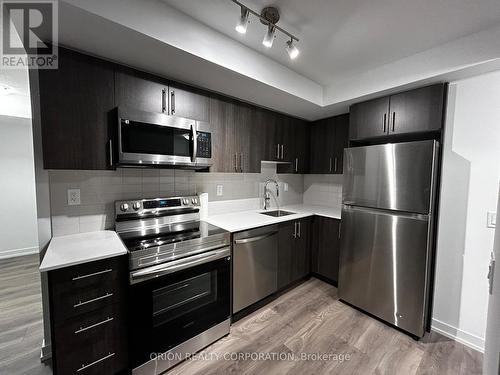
x=4, y=254
x=463, y=337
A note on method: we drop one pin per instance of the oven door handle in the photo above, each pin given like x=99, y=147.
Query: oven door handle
x=181, y=264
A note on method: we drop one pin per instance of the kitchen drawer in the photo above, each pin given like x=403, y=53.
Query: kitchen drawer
x=84, y=288
x=92, y=343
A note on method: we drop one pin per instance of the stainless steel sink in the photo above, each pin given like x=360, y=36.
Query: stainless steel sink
x=277, y=213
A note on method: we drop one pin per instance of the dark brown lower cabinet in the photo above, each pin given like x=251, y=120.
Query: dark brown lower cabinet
x=325, y=248
x=293, y=251
x=88, y=318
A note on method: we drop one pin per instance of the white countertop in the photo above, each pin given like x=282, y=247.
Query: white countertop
x=243, y=220
x=80, y=248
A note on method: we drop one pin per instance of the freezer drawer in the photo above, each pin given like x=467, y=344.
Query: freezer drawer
x=391, y=176
x=384, y=265
x=255, y=266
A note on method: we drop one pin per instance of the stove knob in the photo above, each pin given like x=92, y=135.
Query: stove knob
x=136, y=205
x=124, y=207
x=194, y=201
x=185, y=201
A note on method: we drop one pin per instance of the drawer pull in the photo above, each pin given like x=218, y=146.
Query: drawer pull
x=80, y=303
x=83, y=329
x=84, y=367
x=92, y=274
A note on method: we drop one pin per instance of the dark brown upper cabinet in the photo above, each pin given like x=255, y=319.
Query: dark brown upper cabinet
x=329, y=137
x=295, y=147
x=369, y=119
x=419, y=110
x=76, y=102
x=415, y=111
x=141, y=91
x=188, y=102
x=222, y=121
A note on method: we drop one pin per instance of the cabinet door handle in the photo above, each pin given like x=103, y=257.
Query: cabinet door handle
x=236, y=162
x=296, y=165
x=330, y=164
x=84, y=367
x=282, y=152
x=295, y=230
x=92, y=274
x=172, y=102
x=83, y=329
x=299, y=225
x=340, y=226
x=110, y=152
x=163, y=100
x=393, y=121
x=241, y=162
x=385, y=121
x=335, y=164
x=278, y=152
x=80, y=303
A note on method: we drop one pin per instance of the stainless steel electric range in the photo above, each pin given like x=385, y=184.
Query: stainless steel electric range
x=179, y=298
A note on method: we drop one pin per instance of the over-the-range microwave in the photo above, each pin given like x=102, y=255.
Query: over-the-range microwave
x=156, y=139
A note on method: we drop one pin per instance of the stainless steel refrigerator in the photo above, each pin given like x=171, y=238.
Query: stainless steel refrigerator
x=387, y=231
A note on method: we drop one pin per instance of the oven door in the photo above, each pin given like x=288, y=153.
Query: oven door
x=171, y=305
x=146, y=138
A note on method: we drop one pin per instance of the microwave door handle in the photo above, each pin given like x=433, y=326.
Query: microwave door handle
x=195, y=143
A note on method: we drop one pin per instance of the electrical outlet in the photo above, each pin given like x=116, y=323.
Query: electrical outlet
x=285, y=186
x=491, y=219
x=220, y=190
x=73, y=197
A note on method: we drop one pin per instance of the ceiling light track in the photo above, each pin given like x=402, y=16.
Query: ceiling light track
x=269, y=17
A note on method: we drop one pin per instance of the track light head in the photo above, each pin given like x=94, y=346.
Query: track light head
x=292, y=50
x=269, y=37
x=241, y=27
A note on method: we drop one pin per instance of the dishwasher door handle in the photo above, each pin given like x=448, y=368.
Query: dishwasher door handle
x=257, y=238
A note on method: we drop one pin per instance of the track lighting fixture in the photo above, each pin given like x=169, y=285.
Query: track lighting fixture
x=269, y=37
x=293, y=51
x=241, y=27
x=269, y=17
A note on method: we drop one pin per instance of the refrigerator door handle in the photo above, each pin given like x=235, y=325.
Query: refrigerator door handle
x=380, y=211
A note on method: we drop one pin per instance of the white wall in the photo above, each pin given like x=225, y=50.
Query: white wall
x=471, y=172
x=18, y=226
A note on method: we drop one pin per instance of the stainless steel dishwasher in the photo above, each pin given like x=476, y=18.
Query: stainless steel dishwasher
x=255, y=265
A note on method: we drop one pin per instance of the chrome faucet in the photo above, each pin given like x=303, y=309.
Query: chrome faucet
x=267, y=194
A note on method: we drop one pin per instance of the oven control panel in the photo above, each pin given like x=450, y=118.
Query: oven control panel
x=147, y=205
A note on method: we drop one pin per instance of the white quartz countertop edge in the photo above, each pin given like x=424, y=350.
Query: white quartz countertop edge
x=244, y=220
x=70, y=250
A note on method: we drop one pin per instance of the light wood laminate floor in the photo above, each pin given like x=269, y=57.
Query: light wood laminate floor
x=307, y=319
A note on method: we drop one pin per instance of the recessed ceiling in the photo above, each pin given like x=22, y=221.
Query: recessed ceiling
x=340, y=38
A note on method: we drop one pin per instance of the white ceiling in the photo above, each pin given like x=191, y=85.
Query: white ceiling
x=340, y=38
x=351, y=50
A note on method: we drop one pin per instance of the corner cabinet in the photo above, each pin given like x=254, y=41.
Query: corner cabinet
x=410, y=112
x=325, y=249
x=73, y=104
x=293, y=251
x=328, y=138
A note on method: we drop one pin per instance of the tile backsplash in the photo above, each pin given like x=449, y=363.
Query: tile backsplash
x=99, y=190
x=323, y=190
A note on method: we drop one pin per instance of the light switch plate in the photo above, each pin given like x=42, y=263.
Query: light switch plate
x=220, y=190
x=285, y=186
x=73, y=197
x=492, y=219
